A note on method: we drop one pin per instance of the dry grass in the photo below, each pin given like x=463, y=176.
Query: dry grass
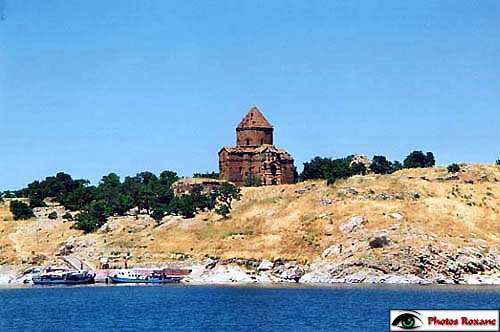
x=277, y=222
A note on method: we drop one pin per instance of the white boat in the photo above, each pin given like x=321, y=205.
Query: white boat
x=129, y=276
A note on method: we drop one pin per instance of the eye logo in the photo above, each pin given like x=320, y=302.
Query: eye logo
x=407, y=320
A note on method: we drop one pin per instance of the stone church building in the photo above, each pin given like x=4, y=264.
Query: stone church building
x=255, y=155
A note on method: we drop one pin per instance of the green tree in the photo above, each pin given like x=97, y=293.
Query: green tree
x=498, y=162
x=67, y=216
x=52, y=215
x=430, y=161
x=183, y=205
x=223, y=209
x=396, y=166
x=331, y=169
x=79, y=198
x=158, y=213
x=225, y=194
x=380, y=165
x=21, y=210
x=417, y=159
x=453, y=168
x=358, y=169
x=93, y=217
x=111, y=193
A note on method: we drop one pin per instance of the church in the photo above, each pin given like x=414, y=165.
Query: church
x=255, y=155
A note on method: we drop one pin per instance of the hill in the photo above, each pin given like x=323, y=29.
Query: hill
x=425, y=223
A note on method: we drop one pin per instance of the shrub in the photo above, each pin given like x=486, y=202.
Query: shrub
x=380, y=165
x=453, y=168
x=358, y=169
x=396, y=166
x=252, y=181
x=36, y=202
x=67, y=216
x=21, y=210
x=183, y=205
x=225, y=194
x=53, y=215
x=93, y=217
x=417, y=159
x=379, y=242
x=331, y=169
x=207, y=175
x=158, y=214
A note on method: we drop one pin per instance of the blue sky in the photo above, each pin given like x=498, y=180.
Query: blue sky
x=92, y=87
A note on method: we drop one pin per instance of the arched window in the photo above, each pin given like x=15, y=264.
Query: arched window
x=248, y=141
x=273, y=169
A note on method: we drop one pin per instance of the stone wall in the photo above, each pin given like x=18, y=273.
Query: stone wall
x=254, y=137
x=188, y=186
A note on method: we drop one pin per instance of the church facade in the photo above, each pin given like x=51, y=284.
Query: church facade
x=255, y=155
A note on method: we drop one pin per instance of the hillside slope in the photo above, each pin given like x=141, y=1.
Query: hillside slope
x=424, y=222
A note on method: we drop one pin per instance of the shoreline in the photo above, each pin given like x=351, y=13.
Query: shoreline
x=210, y=272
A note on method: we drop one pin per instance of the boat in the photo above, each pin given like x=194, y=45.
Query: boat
x=62, y=277
x=155, y=277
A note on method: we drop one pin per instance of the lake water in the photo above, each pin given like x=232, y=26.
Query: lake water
x=218, y=308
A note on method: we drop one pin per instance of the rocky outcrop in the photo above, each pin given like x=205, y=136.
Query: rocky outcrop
x=355, y=223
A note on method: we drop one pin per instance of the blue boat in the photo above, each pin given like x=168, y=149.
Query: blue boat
x=121, y=277
x=62, y=277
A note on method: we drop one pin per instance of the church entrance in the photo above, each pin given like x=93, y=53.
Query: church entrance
x=274, y=173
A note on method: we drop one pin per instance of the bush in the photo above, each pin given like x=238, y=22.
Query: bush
x=21, y=210
x=53, y=215
x=396, y=166
x=380, y=165
x=93, y=217
x=417, y=159
x=225, y=194
x=158, y=214
x=331, y=169
x=252, y=181
x=206, y=175
x=183, y=205
x=378, y=242
x=453, y=168
x=36, y=202
x=67, y=216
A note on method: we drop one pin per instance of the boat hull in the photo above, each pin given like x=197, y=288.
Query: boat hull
x=120, y=280
x=83, y=281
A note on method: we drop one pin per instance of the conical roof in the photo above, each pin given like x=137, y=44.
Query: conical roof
x=254, y=119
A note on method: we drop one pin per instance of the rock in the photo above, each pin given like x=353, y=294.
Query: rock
x=353, y=224
x=326, y=200
x=378, y=242
x=265, y=265
x=355, y=278
x=67, y=247
x=351, y=191
x=221, y=274
x=293, y=273
x=470, y=264
x=332, y=251
x=396, y=216
x=441, y=279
